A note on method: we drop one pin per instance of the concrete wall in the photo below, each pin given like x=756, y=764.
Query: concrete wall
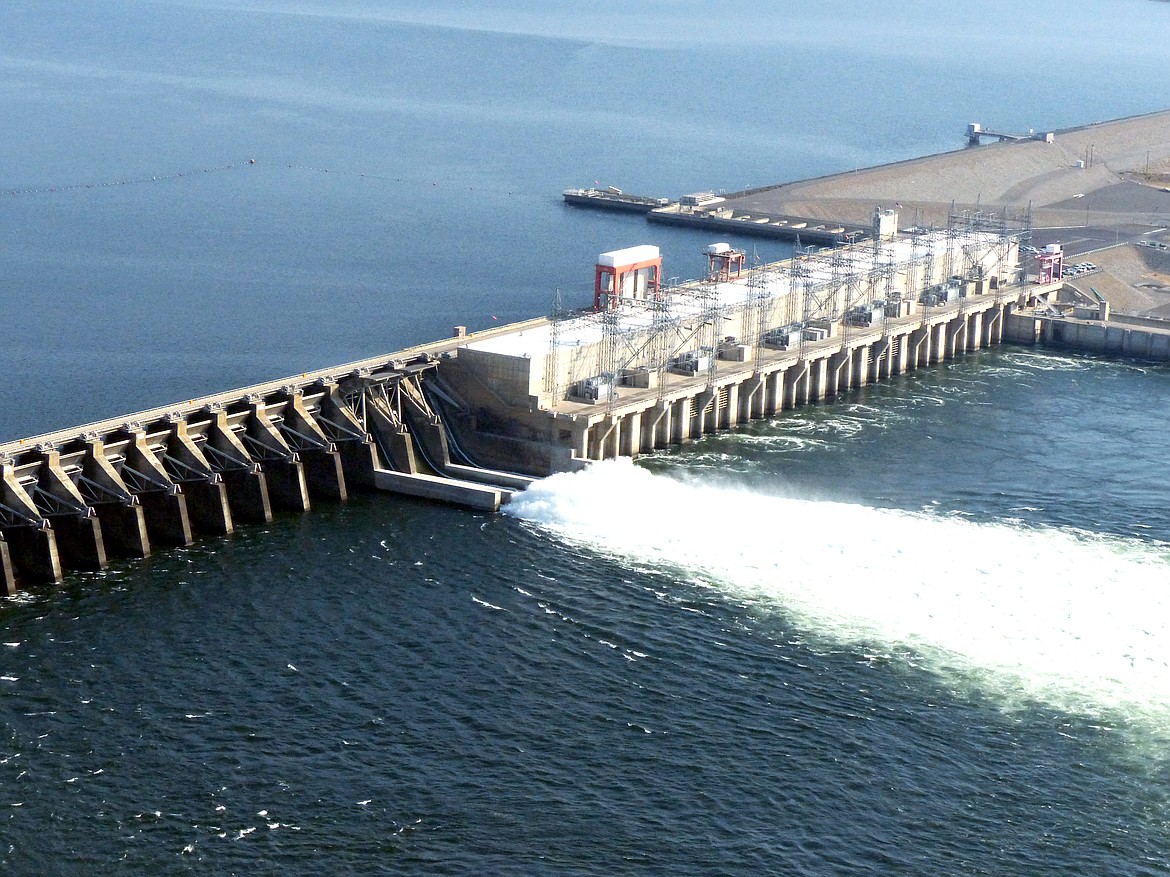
x=1021, y=328
x=512, y=379
x=1107, y=338
x=1110, y=338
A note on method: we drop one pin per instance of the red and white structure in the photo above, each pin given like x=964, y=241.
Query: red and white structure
x=1051, y=264
x=724, y=263
x=632, y=274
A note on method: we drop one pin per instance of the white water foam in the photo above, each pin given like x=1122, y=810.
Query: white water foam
x=1079, y=621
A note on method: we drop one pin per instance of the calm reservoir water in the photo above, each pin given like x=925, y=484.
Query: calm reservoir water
x=923, y=629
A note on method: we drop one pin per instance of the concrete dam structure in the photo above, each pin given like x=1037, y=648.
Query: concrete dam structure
x=651, y=365
x=472, y=418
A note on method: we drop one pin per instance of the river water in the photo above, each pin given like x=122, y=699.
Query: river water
x=920, y=629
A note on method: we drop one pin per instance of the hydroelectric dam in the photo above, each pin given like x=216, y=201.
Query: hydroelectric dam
x=472, y=418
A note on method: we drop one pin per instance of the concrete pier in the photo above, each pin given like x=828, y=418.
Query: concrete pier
x=124, y=528
x=33, y=553
x=7, y=573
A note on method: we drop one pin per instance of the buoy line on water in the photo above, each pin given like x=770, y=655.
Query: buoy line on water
x=133, y=181
x=381, y=177
x=158, y=178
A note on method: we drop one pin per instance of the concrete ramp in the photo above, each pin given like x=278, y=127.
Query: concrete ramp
x=475, y=496
x=492, y=477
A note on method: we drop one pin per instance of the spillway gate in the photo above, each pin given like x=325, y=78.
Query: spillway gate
x=76, y=499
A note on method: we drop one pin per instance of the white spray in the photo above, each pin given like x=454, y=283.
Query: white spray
x=1076, y=620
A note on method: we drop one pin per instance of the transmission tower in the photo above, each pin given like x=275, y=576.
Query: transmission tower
x=952, y=244
x=756, y=312
x=858, y=286
x=662, y=326
x=889, y=271
x=552, y=360
x=712, y=322
x=607, y=371
x=928, y=263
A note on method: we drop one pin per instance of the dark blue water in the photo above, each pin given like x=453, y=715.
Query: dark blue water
x=922, y=629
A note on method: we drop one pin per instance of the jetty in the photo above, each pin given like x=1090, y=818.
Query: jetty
x=712, y=212
x=613, y=198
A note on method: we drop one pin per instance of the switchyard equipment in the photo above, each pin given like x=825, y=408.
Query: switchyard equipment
x=743, y=342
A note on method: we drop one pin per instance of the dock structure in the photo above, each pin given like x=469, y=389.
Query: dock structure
x=976, y=132
x=612, y=198
x=711, y=212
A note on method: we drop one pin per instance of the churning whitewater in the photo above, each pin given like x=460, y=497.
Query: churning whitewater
x=1072, y=619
